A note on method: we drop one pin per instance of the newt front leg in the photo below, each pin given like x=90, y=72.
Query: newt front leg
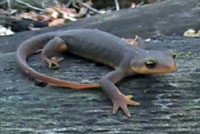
x=118, y=99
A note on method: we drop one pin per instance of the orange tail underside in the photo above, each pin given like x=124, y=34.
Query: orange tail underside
x=75, y=86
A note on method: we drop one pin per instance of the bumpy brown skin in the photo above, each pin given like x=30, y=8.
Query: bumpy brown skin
x=100, y=47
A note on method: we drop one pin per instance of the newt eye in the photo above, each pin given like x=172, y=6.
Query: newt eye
x=150, y=64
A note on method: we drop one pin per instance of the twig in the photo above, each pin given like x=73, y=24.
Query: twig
x=70, y=18
x=140, y=4
x=30, y=6
x=74, y=4
x=117, y=5
x=69, y=3
x=9, y=5
x=89, y=7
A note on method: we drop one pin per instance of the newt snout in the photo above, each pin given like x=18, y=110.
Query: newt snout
x=154, y=62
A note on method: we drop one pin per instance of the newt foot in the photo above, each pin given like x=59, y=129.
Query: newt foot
x=53, y=62
x=122, y=102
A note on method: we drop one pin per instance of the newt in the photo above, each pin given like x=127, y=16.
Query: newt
x=101, y=47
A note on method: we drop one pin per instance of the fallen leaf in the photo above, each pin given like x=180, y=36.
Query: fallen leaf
x=133, y=5
x=43, y=18
x=28, y=15
x=132, y=42
x=66, y=11
x=53, y=13
x=5, y=31
x=191, y=33
x=56, y=22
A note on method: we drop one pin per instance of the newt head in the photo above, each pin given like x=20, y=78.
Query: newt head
x=153, y=62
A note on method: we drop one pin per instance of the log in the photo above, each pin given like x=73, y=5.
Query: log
x=169, y=103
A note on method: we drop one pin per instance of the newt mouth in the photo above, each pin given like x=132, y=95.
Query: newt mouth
x=173, y=68
x=169, y=69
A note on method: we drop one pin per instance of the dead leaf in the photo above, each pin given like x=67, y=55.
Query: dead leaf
x=52, y=12
x=43, y=18
x=56, y=22
x=133, y=5
x=132, y=42
x=5, y=31
x=28, y=15
x=191, y=33
x=33, y=16
x=65, y=11
x=83, y=10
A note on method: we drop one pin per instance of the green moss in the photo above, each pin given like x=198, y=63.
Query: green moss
x=185, y=55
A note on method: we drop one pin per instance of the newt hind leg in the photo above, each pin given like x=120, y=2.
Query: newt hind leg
x=54, y=46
